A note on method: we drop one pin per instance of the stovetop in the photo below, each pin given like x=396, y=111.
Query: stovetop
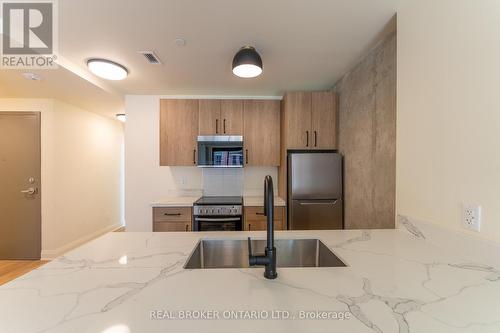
x=219, y=200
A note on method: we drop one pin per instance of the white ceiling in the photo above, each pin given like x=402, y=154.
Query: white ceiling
x=64, y=85
x=304, y=44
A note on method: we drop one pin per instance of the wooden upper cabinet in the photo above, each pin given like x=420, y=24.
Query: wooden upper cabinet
x=297, y=108
x=324, y=122
x=231, y=115
x=310, y=120
x=178, y=131
x=221, y=117
x=261, y=133
x=209, y=120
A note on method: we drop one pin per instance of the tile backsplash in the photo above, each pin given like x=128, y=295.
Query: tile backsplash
x=254, y=180
x=223, y=181
x=247, y=181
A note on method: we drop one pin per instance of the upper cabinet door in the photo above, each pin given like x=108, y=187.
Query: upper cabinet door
x=231, y=111
x=178, y=131
x=210, y=119
x=297, y=108
x=261, y=134
x=324, y=120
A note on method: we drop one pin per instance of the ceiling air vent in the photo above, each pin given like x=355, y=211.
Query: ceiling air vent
x=151, y=57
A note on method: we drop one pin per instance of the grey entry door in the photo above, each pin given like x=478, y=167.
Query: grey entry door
x=20, y=203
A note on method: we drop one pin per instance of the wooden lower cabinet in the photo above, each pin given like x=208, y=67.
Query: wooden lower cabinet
x=180, y=218
x=254, y=218
x=172, y=226
x=172, y=219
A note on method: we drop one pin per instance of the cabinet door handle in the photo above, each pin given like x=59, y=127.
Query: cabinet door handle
x=194, y=156
x=249, y=226
x=259, y=213
x=315, y=139
x=216, y=126
x=187, y=227
x=246, y=156
x=224, y=124
x=172, y=214
x=307, y=138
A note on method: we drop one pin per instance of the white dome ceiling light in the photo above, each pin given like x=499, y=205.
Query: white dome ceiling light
x=247, y=63
x=107, y=69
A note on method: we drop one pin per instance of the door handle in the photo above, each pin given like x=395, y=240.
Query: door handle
x=307, y=138
x=30, y=191
x=187, y=227
x=216, y=126
x=315, y=139
x=246, y=156
x=318, y=203
x=194, y=156
x=217, y=219
x=224, y=124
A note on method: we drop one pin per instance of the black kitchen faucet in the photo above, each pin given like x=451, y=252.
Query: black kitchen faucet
x=269, y=258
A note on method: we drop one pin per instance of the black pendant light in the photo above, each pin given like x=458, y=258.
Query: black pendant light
x=247, y=63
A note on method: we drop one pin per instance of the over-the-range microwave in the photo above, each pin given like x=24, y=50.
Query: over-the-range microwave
x=220, y=151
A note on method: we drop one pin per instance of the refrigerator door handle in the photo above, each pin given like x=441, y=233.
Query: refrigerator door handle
x=318, y=203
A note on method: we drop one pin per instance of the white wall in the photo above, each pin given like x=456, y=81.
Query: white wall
x=82, y=173
x=448, y=126
x=146, y=181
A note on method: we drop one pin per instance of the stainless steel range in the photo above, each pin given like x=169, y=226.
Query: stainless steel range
x=218, y=214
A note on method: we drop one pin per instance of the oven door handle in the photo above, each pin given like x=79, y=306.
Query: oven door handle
x=227, y=219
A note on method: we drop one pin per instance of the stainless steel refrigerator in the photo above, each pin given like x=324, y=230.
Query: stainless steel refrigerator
x=315, y=190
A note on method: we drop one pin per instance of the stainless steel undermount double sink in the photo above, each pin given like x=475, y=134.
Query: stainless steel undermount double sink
x=233, y=253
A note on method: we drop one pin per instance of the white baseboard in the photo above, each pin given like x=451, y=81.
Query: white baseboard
x=52, y=254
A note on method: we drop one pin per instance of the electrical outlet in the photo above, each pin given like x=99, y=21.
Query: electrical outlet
x=471, y=218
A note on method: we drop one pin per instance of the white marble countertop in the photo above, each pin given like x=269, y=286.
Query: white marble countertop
x=175, y=201
x=394, y=282
x=259, y=201
x=187, y=201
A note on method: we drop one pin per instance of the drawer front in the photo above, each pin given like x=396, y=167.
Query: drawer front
x=262, y=225
x=174, y=214
x=257, y=214
x=171, y=226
